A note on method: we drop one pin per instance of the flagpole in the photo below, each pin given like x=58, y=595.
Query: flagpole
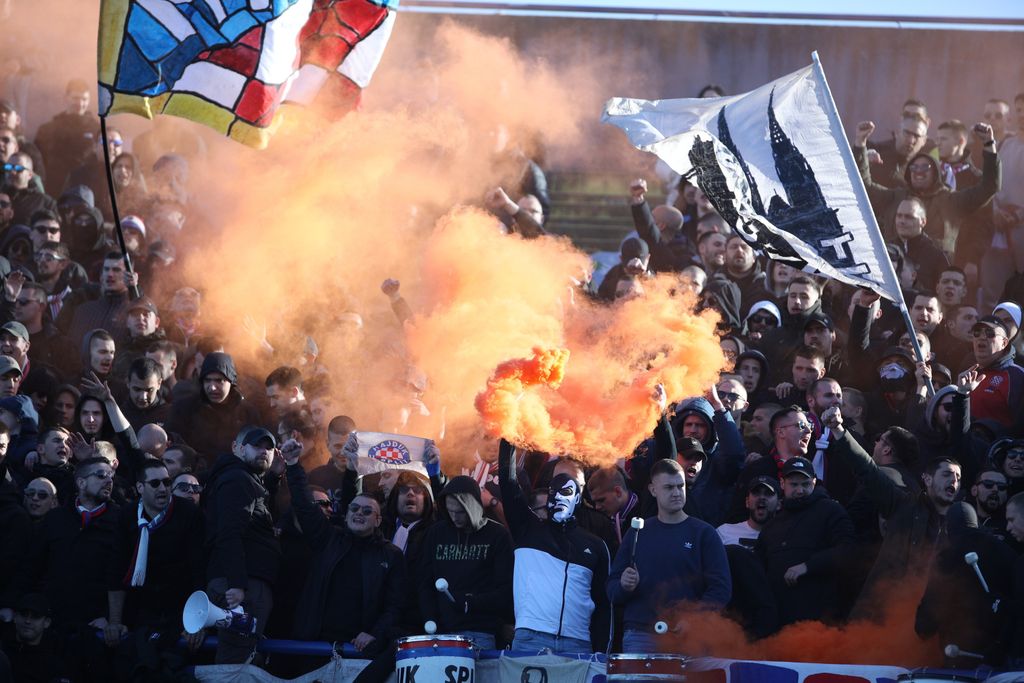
x=134, y=289
x=853, y=170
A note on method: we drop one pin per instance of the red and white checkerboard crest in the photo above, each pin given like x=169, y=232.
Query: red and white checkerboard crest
x=390, y=452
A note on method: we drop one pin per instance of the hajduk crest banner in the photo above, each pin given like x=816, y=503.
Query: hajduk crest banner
x=776, y=165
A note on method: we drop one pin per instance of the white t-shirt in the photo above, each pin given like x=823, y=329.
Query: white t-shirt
x=740, y=533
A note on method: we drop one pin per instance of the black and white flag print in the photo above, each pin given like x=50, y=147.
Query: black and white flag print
x=776, y=165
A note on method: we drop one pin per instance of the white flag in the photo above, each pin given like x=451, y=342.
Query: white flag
x=776, y=165
x=379, y=451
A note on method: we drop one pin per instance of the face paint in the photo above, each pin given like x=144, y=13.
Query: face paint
x=563, y=497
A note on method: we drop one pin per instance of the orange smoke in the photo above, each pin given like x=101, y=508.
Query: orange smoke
x=889, y=641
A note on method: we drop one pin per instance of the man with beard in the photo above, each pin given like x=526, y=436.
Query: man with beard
x=145, y=405
x=989, y=493
x=560, y=570
x=792, y=433
x=762, y=502
x=158, y=561
x=914, y=522
x=804, y=546
x=675, y=559
x=244, y=552
x=70, y=552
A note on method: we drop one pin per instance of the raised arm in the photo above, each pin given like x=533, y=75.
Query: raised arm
x=517, y=509
x=876, y=192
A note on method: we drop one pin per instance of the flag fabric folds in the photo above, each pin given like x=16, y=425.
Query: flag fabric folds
x=776, y=165
x=230, y=64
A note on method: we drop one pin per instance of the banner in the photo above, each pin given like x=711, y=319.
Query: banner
x=379, y=452
x=776, y=165
x=230, y=64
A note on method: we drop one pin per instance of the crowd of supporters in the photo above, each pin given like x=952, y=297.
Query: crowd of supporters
x=826, y=466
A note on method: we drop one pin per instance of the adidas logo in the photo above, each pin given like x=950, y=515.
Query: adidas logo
x=688, y=545
x=587, y=552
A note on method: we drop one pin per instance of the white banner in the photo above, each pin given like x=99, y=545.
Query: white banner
x=776, y=165
x=379, y=451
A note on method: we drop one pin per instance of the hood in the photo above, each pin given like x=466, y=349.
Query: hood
x=465, y=490
x=81, y=194
x=754, y=354
x=22, y=408
x=225, y=465
x=740, y=344
x=13, y=234
x=726, y=294
x=222, y=363
x=763, y=305
x=937, y=183
x=84, y=349
x=696, y=406
x=933, y=404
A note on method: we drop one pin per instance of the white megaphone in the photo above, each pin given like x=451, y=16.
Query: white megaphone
x=200, y=613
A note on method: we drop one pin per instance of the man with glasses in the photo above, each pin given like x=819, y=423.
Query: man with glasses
x=25, y=195
x=245, y=555
x=57, y=275
x=1000, y=395
x=733, y=396
x=158, y=561
x=40, y=498
x=187, y=486
x=356, y=587
x=70, y=552
x=45, y=228
x=792, y=434
x=990, y=493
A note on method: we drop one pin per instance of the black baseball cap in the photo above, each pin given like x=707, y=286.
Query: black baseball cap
x=763, y=480
x=993, y=322
x=33, y=603
x=257, y=434
x=688, y=446
x=142, y=303
x=820, y=318
x=798, y=465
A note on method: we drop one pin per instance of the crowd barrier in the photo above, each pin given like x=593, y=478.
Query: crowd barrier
x=504, y=666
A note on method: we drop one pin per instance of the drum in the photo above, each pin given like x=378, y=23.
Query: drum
x=937, y=676
x=639, y=668
x=435, y=659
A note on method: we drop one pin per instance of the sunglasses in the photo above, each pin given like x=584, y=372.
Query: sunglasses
x=920, y=168
x=16, y=168
x=947, y=405
x=46, y=256
x=1015, y=455
x=987, y=332
x=365, y=509
x=992, y=485
x=102, y=476
x=24, y=302
x=185, y=487
x=4, y=204
x=37, y=495
x=326, y=504
x=117, y=143
x=46, y=229
x=729, y=397
x=7, y=140
x=802, y=426
x=763, y=319
x=157, y=483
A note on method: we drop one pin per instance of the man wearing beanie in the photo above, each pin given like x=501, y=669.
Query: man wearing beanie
x=473, y=554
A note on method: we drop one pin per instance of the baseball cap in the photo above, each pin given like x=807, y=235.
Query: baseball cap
x=257, y=434
x=8, y=364
x=133, y=222
x=992, y=322
x=17, y=329
x=764, y=480
x=33, y=603
x=689, y=446
x=820, y=319
x=144, y=303
x=798, y=465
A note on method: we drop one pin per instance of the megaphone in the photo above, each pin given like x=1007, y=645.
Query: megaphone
x=200, y=613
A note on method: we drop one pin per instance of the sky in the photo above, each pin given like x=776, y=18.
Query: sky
x=978, y=15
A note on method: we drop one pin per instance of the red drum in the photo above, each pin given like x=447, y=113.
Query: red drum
x=639, y=668
x=438, y=658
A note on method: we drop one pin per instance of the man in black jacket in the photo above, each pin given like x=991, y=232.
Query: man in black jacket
x=149, y=581
x=474, y=556
x=560, y=569
x=244, y=552
x=356, y=585
x=803, y=547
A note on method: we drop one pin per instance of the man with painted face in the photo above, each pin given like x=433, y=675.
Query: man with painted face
x=674, y=558
x=560, y=570
x=244, y=552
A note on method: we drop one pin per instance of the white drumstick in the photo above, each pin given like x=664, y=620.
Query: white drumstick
x=972, y=559
x=661, y=627
x=952, y=651
x=430, y=628
x=638, y=524
x=442, y=587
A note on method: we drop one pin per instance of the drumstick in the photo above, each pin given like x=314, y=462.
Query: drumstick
x=638, y=524
x=952, y=651
x=430, y=628
x=972, y=559
x=442, y=587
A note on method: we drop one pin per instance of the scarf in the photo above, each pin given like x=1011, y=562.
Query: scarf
x=56, y=301
x=89, y=515
x=622, y=514
x=401, y=539
x=142, y=548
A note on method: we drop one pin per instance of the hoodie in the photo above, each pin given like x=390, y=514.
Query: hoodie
x=28, y=435
x=240, y=531
x=476, y=562
x=709, y=496
x=211, y=427
x=778, y=344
